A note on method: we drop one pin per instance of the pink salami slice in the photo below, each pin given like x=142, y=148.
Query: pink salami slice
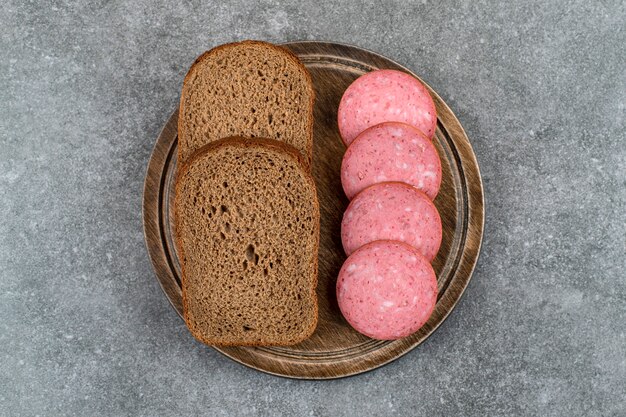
x=385, y=96
x=391, y=151
x=386, y=290
x=392, y=211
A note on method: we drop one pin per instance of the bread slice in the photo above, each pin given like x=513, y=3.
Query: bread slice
x=247, y=230
x=251, y=89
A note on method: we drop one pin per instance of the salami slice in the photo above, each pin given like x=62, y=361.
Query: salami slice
x=391, y=151
x=392, y=211
x=386, y=290
x=385, y=96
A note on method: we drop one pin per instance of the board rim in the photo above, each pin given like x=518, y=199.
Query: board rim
x=156, y=170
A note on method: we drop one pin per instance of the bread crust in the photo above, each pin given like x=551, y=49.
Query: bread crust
x=243, y=142
x=289, y=54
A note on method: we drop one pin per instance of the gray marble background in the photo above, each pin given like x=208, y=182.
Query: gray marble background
x=540, y=88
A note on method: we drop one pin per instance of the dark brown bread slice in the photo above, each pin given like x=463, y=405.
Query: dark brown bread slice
x=251, y=89
x=247, y=232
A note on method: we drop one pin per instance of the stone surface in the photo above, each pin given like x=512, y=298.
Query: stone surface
x=540, y=88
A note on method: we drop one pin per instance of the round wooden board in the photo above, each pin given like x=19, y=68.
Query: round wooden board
x=335, y=349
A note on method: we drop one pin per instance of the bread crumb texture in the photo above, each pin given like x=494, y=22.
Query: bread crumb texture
x=251, y=89
x=247, y=223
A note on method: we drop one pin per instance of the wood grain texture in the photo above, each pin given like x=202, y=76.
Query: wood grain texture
x=335, y=349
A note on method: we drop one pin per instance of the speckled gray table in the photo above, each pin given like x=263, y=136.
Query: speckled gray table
x=540, y=89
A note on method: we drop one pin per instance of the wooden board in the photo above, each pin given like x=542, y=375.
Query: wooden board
x=335, y=349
